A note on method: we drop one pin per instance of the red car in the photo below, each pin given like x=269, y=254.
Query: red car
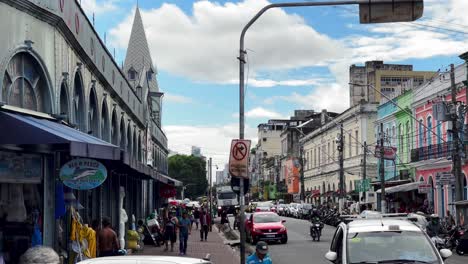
x=266, y=226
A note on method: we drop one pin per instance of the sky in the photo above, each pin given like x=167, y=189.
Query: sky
x=297, y=58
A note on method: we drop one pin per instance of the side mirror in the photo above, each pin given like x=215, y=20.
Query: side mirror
x=283, y=221
x=445, y=253
x=331, y=256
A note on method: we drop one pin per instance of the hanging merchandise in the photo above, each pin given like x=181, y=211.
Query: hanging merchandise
x=36, y=239
x=17, y=209
x=60, y=209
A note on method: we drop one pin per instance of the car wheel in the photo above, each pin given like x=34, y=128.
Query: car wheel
x=460, y=252
x=284, y=240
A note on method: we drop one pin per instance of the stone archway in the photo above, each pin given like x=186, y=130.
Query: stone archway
x=26, y=85
x=93, y=115
x=105, y=135
x=78, y=108
x=64, y=103
x=114, y=129
x=122, y=134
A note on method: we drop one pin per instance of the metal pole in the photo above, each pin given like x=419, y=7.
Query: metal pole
x=302, y=173
x=456, y=140
x=341, y=202
x=364, y=171
x=382, y=172
x=211, y=189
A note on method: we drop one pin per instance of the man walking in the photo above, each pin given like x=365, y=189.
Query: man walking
x=107, y=240
x=185, y=229
x=205, y=222
x=196, y=217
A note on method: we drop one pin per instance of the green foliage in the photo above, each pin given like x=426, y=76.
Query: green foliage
x=191, y=171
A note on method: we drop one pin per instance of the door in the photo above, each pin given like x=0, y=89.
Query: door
x=337, y=244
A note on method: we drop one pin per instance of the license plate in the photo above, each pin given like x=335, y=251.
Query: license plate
x=270, y=236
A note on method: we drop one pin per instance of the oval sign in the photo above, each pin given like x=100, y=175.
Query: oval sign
x=83, y=174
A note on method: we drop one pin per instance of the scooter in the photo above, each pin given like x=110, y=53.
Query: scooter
x=316, y=231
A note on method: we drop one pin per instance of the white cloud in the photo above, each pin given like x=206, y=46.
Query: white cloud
x=260, y=112
x=204, y=44
x=98, y=6
x=332, y=97
x=214, y=141
x=174, y=98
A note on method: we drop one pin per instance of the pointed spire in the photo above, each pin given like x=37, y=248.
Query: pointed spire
x=138, y=47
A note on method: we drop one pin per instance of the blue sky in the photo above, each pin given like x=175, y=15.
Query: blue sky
x=298, y=58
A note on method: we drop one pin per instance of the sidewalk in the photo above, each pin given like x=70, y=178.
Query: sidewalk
x=220, y=253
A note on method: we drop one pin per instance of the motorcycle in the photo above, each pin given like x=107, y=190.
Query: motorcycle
x=453, y=237
x=438, y=242
x=316, y=231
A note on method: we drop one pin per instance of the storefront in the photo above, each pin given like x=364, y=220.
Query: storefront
x=404, y=198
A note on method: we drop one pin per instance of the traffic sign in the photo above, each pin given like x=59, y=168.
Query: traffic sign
x=239, y=158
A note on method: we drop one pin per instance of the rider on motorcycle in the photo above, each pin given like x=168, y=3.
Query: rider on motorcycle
x=315, y=216
x=433, y=227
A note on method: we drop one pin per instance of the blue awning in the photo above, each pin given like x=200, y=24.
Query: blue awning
x=18, y=129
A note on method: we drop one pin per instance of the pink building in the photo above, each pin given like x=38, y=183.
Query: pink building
x=432, y=143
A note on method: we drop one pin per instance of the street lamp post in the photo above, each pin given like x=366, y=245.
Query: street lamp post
x=371, y=11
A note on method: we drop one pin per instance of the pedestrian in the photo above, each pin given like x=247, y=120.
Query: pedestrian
x=107, y=240
x=196, y=217
x=205, y=222
x=450, y=219
x=185, y=230
x=40, y=255
x=260, y=255
x=170, y=233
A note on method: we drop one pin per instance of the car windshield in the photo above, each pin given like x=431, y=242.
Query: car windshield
x=376, y=247
x=264, y=205
x=227, y=195
x=266, y=218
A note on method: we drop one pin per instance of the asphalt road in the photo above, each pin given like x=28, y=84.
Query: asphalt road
x=301, y=249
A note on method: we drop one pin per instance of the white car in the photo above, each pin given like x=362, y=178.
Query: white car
x=384, y=240
x=145, y=260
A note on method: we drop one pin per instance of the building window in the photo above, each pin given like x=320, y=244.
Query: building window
x=319, y=161
x=328, y=151
x=264, y=139
x=150, y=75
x=132, y=74
x=429, y=131
x=357, y=142
x=421, y=133
x=408, y=139
x=350, y=147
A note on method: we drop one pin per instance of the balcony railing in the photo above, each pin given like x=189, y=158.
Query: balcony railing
x=443, y=150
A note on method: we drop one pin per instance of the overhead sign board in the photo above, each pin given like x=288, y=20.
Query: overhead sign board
x=239, y=158
x=83, y=174
x=362, y=185
x=389, y=152
x=424, y=188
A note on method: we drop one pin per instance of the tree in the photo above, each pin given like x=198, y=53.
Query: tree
x=191, y=171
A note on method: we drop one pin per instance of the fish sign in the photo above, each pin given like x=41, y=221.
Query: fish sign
x=83, y=174
x=239, y=158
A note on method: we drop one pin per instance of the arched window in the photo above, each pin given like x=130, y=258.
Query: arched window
x=93, y=117
x=429, y=131
x=129, y=139
x=64, y=106
x=393, y=136
x=134, y=143
x=439, y=132
x=25, y=84
x=105, y=122
x=400, y=138
x=351, y=186
x=408, y=139
x=421, y=134
x=132, y=74
x=140, y=156
x=122, y=134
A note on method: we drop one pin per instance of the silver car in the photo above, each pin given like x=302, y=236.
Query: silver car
x=378, y=241
x=145, y=260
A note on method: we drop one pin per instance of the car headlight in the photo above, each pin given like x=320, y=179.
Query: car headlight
x=283, y=229
x=219, y=208
x=257, y=230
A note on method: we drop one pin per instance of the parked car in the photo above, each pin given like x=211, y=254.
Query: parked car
x=264, y=207
x=292, y=209
x=296, y=212
x=266, y=226
x=383, y=240
x=280, y=209
x=147, y=260
x=304, y=211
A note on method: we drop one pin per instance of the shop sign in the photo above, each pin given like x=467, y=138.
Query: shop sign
x=20, y=168
x=424, y=188
x=389, y=152
x=83, y=174
x=445, y=178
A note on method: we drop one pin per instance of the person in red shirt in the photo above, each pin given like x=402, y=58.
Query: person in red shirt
x=205, y=222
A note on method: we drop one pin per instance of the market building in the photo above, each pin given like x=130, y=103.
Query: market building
x=65, y=101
